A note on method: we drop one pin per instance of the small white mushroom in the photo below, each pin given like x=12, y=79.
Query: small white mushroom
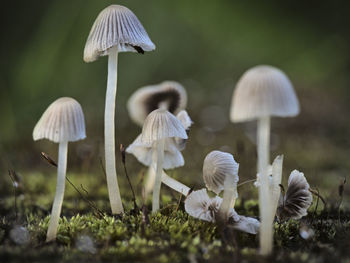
x=62, y=122
x=115, y=30
x=145, y=154
x=220, y=172
x=159, y=126
x=170, y=95
x=199, y=205
x=263, y=92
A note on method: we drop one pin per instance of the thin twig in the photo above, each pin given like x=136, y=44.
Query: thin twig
x=15, y=184
x=90, y=203
x=122, y=152
x=178, y=203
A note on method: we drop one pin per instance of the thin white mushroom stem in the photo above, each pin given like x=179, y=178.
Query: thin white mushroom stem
x=167, y=180
x=149, y=184
x=159, y=170
x=57, y=204
x=230, y=195
x=175, y=185
x=266, y=229
x=112, y=183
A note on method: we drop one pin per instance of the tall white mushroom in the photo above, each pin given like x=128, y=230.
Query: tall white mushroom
x=263, y=92
x=115, y=30
x=159, y=126
x=62, y=122
x=220, y=172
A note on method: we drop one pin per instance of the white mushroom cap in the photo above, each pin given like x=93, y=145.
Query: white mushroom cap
x=295, y=203
x=161, y=124
x=199, y=205
x=145, y=153
x=63, y=121
x=217, y=167
x=263, y=91
x=169, y=94
x=185, y=119
x=116, y=25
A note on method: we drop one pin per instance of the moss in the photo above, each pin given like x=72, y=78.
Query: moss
x=167, y=236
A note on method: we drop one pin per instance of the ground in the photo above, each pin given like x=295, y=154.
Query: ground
x=93, y=235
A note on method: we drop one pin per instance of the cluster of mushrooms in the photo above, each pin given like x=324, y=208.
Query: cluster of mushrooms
x=262, y=92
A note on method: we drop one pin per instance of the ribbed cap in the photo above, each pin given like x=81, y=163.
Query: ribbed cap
x=63, y=121
x=199, y=205
x=161, y=124
x=116, y=25
x=145, y=153
x=216, y=167
x=298, y=198
x=263, y=91
x=170, y=95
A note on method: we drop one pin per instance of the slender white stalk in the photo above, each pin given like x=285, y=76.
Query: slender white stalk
x=266, y=229
x=150, y=178
x=166, y=179
x=159, y=169
x=57, y=204
x=230, y=195
x=112, y=183
x=175, y=185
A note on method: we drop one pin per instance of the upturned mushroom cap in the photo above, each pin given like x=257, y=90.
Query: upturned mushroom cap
x=199, y=205
x=298, y=198
x=185, y=119
x=116, y=25
x=63, y=121
x=161, y=124
x=145, y=153
x=216, y=167
x=186, y=122
x=263, y=91
x=169, y=94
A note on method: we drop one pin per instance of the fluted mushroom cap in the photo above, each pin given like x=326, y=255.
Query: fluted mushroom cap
x=216, y=167
x=63, y=121
x=263, y=91
x=199, y=205
x=145, y=153
x=161, y=124
x=298, y=198
x=116, y=25
x=169, y=94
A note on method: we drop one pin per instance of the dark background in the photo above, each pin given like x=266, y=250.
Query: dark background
x=206, y=46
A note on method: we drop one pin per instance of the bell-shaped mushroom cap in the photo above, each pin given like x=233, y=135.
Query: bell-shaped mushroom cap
x=199, y=205
x=145, y=153
x=116, y=25
x=216, y=167
x=161, y=124
x=263, y=91
x=169, y=94
x=63, y=121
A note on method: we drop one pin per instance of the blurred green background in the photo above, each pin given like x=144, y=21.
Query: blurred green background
x=206, y=46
